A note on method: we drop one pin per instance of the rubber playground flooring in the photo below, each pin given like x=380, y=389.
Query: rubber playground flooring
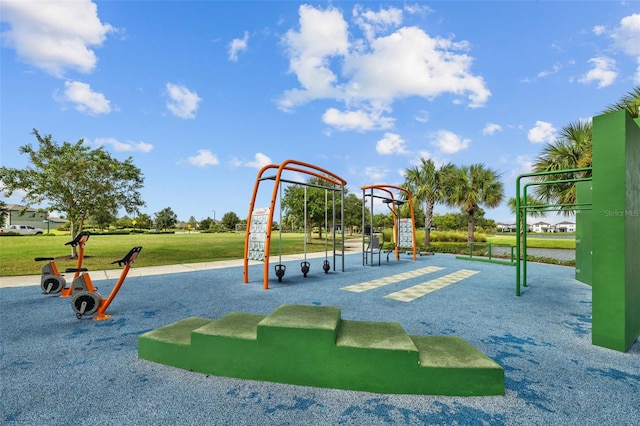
x=57, y=370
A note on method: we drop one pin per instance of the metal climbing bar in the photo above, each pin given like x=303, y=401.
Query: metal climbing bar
x=521, y=224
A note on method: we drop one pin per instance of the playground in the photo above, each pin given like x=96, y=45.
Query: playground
x=553, y=373
x=349, y=339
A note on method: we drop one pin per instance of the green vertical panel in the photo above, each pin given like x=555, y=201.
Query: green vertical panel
x=632, y=217
x=615, y=215
x=584, y=236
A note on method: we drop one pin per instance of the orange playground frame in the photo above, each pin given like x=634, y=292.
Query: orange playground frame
x=392, y=202
x=288, y=165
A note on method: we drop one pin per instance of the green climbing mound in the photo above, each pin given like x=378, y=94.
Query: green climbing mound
x=313, y=346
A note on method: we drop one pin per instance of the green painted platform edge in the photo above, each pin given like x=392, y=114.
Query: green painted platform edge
x=359, y=359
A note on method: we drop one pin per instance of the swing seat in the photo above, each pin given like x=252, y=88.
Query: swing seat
x=280, y=270
x=305, y=266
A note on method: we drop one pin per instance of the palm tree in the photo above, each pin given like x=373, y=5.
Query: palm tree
x=571, y=150
x=630, y=102
x=530, y=201
x=425, y=183
x=470, y=187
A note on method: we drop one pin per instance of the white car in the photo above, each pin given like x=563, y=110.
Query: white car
x=22, y=230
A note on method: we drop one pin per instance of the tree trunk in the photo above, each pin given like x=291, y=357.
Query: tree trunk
x=428, y=219
x=74, y=232
x=470, y=227
x=309, y=229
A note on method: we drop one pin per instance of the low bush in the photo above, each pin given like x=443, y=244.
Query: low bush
x=456, y=236
x=439, y=236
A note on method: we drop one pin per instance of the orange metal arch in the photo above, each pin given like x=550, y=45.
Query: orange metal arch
x=387, y=189
x=289, y=165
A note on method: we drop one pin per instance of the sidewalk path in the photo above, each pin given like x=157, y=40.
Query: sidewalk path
x=351, y=246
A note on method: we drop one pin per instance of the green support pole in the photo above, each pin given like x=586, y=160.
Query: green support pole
x=616, y=231
x=584, y=235
x=523, y=209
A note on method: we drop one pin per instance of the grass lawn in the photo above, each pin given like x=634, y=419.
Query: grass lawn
x=532, y=242
x=17, y=253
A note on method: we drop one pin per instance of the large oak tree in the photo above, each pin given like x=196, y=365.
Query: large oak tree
x=74, y=179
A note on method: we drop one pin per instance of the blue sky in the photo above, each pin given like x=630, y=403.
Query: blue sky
x=202, y=94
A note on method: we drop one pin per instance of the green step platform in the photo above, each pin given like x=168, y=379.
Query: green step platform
x=313, y=346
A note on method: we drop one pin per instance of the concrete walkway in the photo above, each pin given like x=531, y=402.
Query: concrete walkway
x=351, y=246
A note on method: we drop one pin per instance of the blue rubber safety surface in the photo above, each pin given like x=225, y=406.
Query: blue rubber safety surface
x=58, y=370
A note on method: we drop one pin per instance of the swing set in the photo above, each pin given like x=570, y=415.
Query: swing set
x=404, y=233
x=257, y=244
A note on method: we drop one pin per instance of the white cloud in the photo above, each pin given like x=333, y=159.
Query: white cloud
x=376, y=70
x=203, y=159
x=544, y=73
x=417, y=9
x=522, y=164
x=411, y=63
x=84, y=99
x=124, y=146
x=491, y=128
x=357, y=120
x=322, y=34
x=391, y=143
x=373, y=23
x=260, y=160
x=542, y=132
x=182, y=102
x=604, y=72
x=422, y=116
x=627, y=35
x=55, y=35
x=426, y=155
x=375, y=174
x=238, y=45
x=627, y=38
x=449, y=143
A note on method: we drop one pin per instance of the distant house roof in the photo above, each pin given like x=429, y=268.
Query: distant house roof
x=56, y=220
x=18, y=207
x=541, y=223
x=565, y=223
